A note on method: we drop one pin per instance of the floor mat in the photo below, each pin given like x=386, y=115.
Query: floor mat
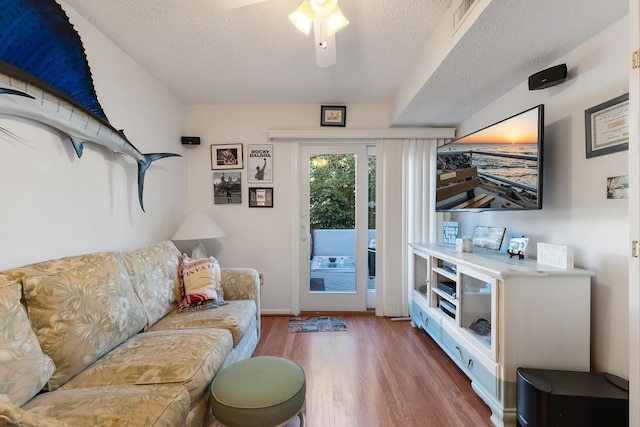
x=316, y=324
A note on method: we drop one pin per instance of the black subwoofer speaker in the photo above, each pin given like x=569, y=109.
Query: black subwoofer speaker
x=550, y=398
x=549, y=77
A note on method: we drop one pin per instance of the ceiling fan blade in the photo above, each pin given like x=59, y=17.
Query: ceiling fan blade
x=325, y=45
x=217, y=6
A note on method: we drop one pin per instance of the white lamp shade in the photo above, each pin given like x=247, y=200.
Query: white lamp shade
x=198, y=225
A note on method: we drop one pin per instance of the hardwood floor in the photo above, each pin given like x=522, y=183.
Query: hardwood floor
x=377, y=373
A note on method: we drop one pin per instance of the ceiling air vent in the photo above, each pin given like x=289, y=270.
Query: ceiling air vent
x=461, y=13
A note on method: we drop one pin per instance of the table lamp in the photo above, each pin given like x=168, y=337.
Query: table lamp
x=198, y=226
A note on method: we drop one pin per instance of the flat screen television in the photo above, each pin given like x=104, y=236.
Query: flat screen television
x=496, y=168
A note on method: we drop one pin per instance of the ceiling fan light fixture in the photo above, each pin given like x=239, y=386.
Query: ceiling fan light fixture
x=327, y=19
x=336, y=21
x=324, y=7
x=302, y=17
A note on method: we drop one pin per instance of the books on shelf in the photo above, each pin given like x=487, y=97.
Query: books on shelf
x=448, y=308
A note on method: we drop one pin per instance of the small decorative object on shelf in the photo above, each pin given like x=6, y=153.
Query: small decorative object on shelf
x=464, y=245
x=517, y=247
x=449, y=232
x=560, y=256
x=481, y=327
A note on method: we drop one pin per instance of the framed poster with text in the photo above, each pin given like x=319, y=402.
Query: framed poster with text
x=259, y=163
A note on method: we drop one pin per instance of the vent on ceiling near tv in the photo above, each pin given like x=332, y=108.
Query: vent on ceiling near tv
x=461, y=13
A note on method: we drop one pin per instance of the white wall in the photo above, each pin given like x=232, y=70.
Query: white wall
x=258, y=237
x=575, y=210
x=54, y=204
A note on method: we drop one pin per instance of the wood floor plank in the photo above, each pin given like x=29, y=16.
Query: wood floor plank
x=377, y=373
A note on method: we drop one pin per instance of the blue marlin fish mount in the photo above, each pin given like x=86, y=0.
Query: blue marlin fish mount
x=45, y=77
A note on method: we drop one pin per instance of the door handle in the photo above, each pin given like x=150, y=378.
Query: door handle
x=303, y=228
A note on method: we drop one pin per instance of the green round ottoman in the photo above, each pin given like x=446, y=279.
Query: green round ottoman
x=261, y=391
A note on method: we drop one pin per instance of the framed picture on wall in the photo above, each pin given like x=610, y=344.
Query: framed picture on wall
x=227, y=188
x=333, y=115
x=226, y=156
x=260, y=163
x=260, y=197
x=607, y=127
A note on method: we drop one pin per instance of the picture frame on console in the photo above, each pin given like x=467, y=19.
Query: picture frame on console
x=607, y=127
x=518, y=246
x=488, y=237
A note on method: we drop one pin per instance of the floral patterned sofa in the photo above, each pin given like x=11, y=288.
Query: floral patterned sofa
x=96, y=340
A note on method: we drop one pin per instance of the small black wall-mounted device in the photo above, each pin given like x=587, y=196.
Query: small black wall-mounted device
x=549, y=77
x=190, y=140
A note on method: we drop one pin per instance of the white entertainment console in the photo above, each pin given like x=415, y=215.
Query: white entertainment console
x=534, y=316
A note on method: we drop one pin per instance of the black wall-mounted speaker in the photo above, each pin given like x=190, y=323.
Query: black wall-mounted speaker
x=190, y=140
x=549, y=77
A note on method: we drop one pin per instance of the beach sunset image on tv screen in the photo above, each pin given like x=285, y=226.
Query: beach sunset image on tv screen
x=498, y=167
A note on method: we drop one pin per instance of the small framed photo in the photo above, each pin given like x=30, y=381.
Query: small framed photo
x=259, y=163
x=607, y=127
x=518, y=246
x=333, y=115
x=260, y=197
x=226, y=156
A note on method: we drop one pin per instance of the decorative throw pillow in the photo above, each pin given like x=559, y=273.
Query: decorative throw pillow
x=200, y=286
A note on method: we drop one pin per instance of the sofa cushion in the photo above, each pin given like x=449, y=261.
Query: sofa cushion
x=24, y=369
x=236, y=316
x=119, y=405
x=154, y=274
x=14, y=416
x=82, y=312
x=188, y=357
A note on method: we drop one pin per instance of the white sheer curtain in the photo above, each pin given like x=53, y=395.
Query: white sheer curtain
x=403, y=216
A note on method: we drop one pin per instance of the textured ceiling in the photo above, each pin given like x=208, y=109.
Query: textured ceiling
x=254, y=55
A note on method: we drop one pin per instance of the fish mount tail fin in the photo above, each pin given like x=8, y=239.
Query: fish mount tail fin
x=142, y=169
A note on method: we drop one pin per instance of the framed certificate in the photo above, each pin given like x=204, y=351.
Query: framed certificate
x=607, y=127
x=260, y=197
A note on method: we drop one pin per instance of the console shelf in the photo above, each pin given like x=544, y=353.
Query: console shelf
x=492, y=315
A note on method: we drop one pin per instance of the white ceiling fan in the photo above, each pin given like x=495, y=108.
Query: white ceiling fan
x=325, y=15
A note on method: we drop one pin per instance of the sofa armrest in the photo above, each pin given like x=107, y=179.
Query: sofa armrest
x=242, y=283
x=11, y=415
